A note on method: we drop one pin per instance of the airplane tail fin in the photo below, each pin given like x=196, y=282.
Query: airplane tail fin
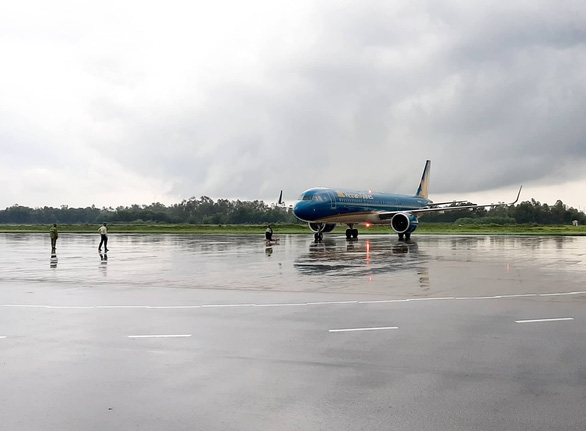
x=423, y=190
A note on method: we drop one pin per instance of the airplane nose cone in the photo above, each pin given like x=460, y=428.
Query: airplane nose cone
x=297, y=210
x=302, y=211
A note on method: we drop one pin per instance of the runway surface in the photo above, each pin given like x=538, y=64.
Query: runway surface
x=220, y=333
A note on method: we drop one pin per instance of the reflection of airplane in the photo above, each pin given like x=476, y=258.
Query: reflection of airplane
x=322, y=208
x=360, y=258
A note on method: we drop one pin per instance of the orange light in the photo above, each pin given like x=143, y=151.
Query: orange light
x=368, y=225
x=367, y=252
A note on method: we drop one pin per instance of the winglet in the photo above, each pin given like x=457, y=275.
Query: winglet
x=281, y=198
x=423, y=190
x=518, y=194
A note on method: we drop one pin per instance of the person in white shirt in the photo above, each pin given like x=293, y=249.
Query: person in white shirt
x=104, y=235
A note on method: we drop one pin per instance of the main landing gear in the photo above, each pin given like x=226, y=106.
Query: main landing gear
x=351, y=233
x=404, y=236
x=318, y=236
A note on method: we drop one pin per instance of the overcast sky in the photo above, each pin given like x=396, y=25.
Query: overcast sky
x=120, y=102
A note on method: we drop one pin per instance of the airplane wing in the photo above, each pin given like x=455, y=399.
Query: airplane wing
x=435, y=204
x=389, y=214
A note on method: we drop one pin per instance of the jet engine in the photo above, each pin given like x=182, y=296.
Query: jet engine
x=404, y=223
x=321, y=227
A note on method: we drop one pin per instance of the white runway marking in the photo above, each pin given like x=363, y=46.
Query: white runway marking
x=558, y=319
x=227, y=305
x=332, y=302
x=363, y=329
x=161, y=336
x=384, y=301
x=292, y=304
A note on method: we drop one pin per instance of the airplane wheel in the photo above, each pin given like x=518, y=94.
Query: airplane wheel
x=354, y=233
x=401, y=236
x=348, y=233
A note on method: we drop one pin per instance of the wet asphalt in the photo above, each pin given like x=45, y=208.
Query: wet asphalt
x=189, y=332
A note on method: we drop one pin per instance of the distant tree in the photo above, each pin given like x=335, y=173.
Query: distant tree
x=205, y=211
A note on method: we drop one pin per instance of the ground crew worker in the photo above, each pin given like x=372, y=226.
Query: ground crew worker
x=104, y=237
x=269, y=233
x=54, y=236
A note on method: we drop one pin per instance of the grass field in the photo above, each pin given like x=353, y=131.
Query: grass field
x=424, y=228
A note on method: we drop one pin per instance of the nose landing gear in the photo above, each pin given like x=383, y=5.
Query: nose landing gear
x=319, y=229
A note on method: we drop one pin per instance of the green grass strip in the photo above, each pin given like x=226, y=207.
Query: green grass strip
x=424, y=228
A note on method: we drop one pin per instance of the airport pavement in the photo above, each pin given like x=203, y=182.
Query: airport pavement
x=465, y=345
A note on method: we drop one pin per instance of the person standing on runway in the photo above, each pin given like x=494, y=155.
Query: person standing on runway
x=54, y=236
x=104, y=237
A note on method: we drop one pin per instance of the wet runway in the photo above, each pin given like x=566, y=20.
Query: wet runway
x=220, y=332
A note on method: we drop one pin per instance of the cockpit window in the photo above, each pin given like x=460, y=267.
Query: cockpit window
x=312, y=196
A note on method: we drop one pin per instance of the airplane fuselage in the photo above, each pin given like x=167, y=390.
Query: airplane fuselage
x=322, y=208
x=325, y=205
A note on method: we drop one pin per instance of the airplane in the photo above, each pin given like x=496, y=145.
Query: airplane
x=322, y=208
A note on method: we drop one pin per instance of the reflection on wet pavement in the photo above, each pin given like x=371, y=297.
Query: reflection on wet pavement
x=53, y=261
x=355, y=259
x=377, y=264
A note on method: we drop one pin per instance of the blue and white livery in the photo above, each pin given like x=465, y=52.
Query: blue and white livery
x=323, y=208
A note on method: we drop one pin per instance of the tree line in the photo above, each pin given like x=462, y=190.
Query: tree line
x=526, y=212
x=207, y=211
x=191, y=211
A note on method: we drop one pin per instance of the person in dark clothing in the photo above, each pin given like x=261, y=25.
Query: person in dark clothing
x=269, y=233
x=54, y=236
x=104, y=237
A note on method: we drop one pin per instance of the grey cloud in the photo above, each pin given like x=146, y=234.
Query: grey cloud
x=493, y=96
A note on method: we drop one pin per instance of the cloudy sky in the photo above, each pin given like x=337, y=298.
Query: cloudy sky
x=120, y=102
